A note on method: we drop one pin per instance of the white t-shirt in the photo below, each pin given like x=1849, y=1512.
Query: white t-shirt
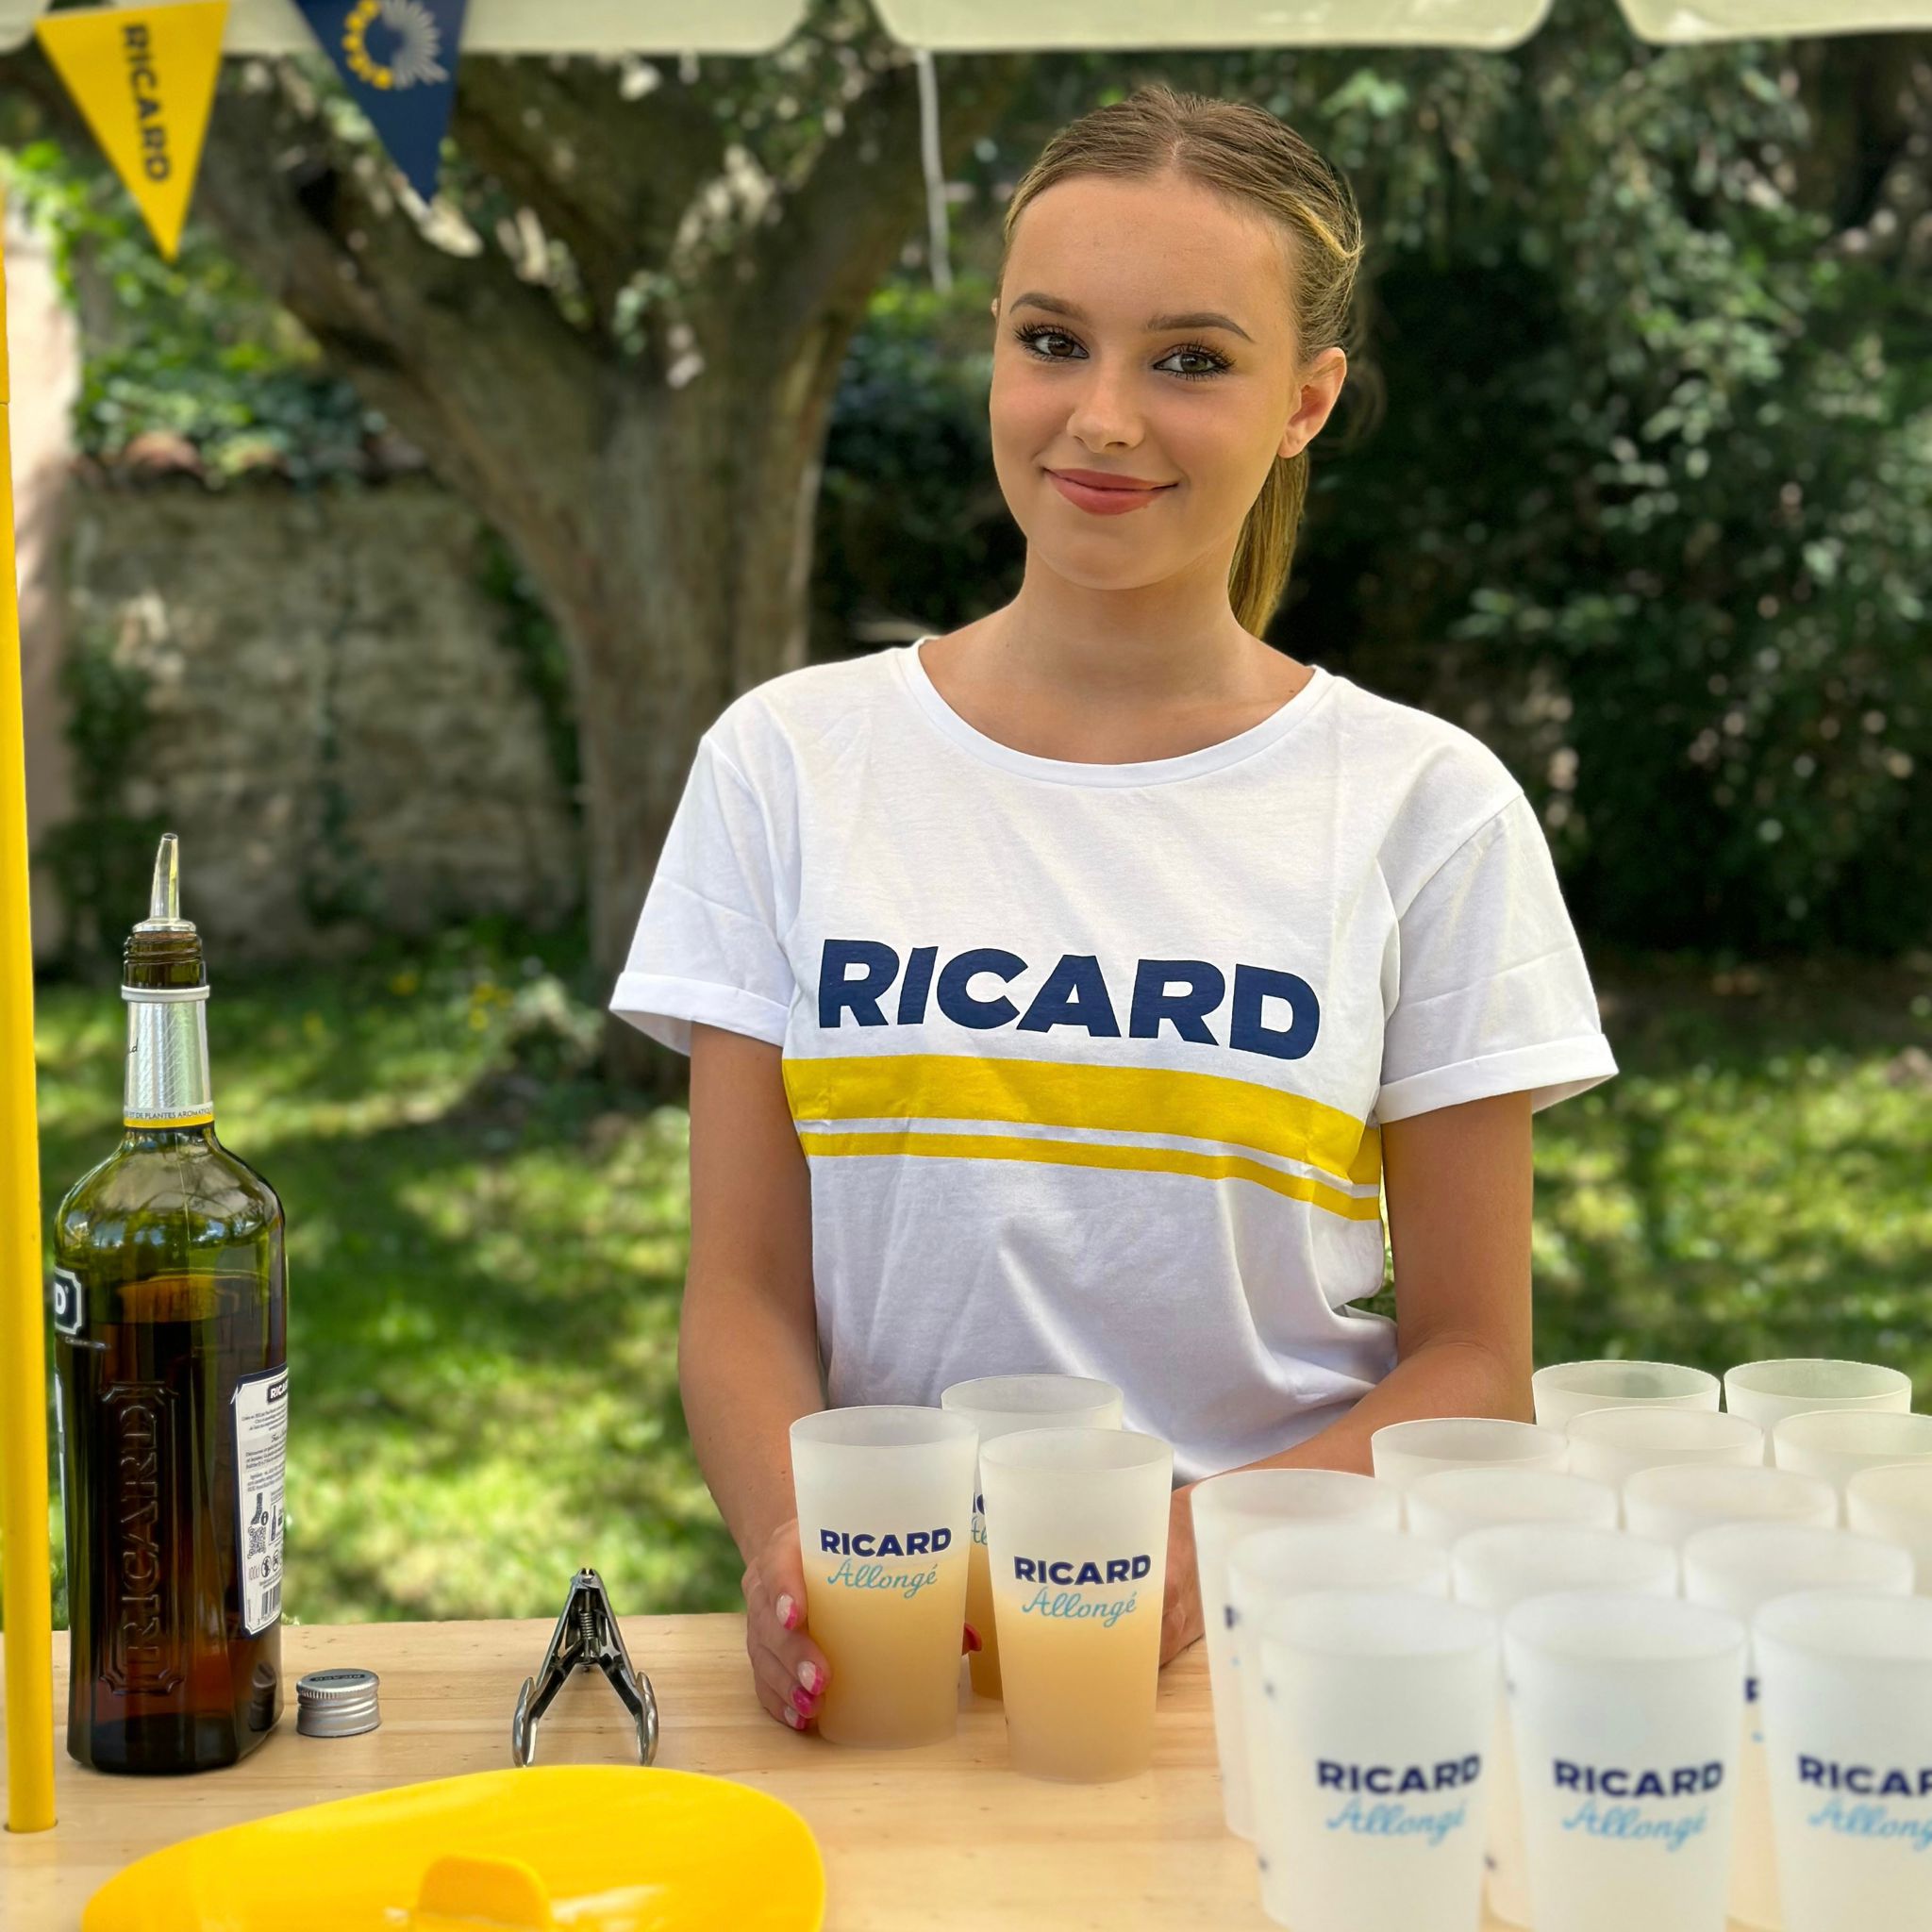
x=1089, y=1062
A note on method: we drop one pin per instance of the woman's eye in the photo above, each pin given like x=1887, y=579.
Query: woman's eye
x=1216, y=363
x=1038, y=332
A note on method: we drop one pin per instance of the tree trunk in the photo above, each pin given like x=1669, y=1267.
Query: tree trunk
x=702, y=543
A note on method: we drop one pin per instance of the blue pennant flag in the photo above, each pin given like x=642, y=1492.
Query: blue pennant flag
x=398, y=58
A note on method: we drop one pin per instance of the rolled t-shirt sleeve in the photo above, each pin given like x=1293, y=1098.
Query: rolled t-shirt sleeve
x=1493, y=993
x=708, y=945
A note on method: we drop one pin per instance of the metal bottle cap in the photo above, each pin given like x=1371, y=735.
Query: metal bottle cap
x=336, y=1703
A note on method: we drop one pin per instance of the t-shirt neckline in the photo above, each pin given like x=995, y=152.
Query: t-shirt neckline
x=1209, y=758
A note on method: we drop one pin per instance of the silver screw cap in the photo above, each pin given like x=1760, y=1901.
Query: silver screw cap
x=336, y=1703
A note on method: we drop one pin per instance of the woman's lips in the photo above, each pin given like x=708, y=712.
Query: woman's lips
x=1104, y=503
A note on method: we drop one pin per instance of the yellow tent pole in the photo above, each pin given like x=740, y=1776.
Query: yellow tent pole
x=28, y=1602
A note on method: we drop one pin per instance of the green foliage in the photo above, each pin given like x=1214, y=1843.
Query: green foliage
x=193, y=348
x=338, y=885
x=533, y=640
x=1727, y=551
x=486, y=1259
x=101, y=856
x=909, y=516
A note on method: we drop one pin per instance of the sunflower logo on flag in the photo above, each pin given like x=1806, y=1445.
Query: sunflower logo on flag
x=412, y=61
x=397, y=60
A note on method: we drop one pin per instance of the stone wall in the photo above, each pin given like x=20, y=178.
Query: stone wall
x=329, y=710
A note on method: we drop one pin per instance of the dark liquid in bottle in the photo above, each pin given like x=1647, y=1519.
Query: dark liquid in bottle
x=164, y=1676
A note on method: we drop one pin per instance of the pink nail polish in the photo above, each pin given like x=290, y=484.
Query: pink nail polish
x=801, y=1703
x=792, y=1718
x=811, y=1677
x=788, y=1611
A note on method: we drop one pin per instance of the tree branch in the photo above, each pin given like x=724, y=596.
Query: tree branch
x=1870, y=100
x=610, y=177
x=867, y=179
x=472, y=362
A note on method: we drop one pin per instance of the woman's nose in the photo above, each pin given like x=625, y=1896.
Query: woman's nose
x=1105, y=412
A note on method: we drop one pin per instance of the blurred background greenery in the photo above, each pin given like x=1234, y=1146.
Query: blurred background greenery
x=1647, y=501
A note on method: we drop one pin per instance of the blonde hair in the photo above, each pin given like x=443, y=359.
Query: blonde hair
x=1256, y=161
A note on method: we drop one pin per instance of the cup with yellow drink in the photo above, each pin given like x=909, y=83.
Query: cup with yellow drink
x=885, y=1501
x=1077, y=1540
x=998, y=1406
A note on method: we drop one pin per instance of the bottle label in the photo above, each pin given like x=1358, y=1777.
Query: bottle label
x=70, y=1303
x=261, y=1441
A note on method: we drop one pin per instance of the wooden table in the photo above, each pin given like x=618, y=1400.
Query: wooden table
x=941, y=1839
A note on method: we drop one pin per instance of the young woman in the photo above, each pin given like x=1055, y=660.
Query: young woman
x=1065, y=992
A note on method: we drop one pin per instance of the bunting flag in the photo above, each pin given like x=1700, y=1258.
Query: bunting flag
x=398, y=59
x=144, y=76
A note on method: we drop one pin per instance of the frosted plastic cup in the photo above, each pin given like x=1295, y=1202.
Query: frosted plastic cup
x=1625, y=1711
x=1508, y=1563
x=1502, y=1566
x=1741, y=1567
x=1676, y=1500
x=1837, y=1443
x=1610, y=1446
x=1847, y=1698
x=1453, y=1502
x=1769, y=1391
x=1566, y=1390
x=1077, y=1540
x=999, y=1405
x=1269, y=1566
x=1381, y=1714
x=1895, y=1501
x=1226, y=1507
x=1404, y=1451
x=885, y=1508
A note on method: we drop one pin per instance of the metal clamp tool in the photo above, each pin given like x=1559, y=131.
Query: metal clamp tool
x=586, y=1635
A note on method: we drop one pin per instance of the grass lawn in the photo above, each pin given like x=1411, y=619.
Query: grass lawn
x=486, y=1259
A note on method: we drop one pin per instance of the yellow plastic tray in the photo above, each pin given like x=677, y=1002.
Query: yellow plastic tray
x=592, y=1848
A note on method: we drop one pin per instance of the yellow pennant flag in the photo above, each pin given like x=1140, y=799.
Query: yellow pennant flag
x=144, y=76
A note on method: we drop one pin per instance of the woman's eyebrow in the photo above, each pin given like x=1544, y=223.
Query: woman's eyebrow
x=1205, y=318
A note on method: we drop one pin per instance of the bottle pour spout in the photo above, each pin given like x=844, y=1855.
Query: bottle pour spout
x=164, y=899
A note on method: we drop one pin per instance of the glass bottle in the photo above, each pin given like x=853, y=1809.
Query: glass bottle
x=170, y=1385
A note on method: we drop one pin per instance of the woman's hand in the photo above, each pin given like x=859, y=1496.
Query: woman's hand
x=786, y=1667
x=1181, y=1621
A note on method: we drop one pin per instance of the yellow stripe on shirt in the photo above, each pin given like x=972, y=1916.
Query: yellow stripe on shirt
x=1063, y=1094
x=1094, y=1154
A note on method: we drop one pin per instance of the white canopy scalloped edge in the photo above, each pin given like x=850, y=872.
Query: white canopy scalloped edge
x=757, y=27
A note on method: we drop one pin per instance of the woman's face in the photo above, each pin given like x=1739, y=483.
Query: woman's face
x=1141, y=383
